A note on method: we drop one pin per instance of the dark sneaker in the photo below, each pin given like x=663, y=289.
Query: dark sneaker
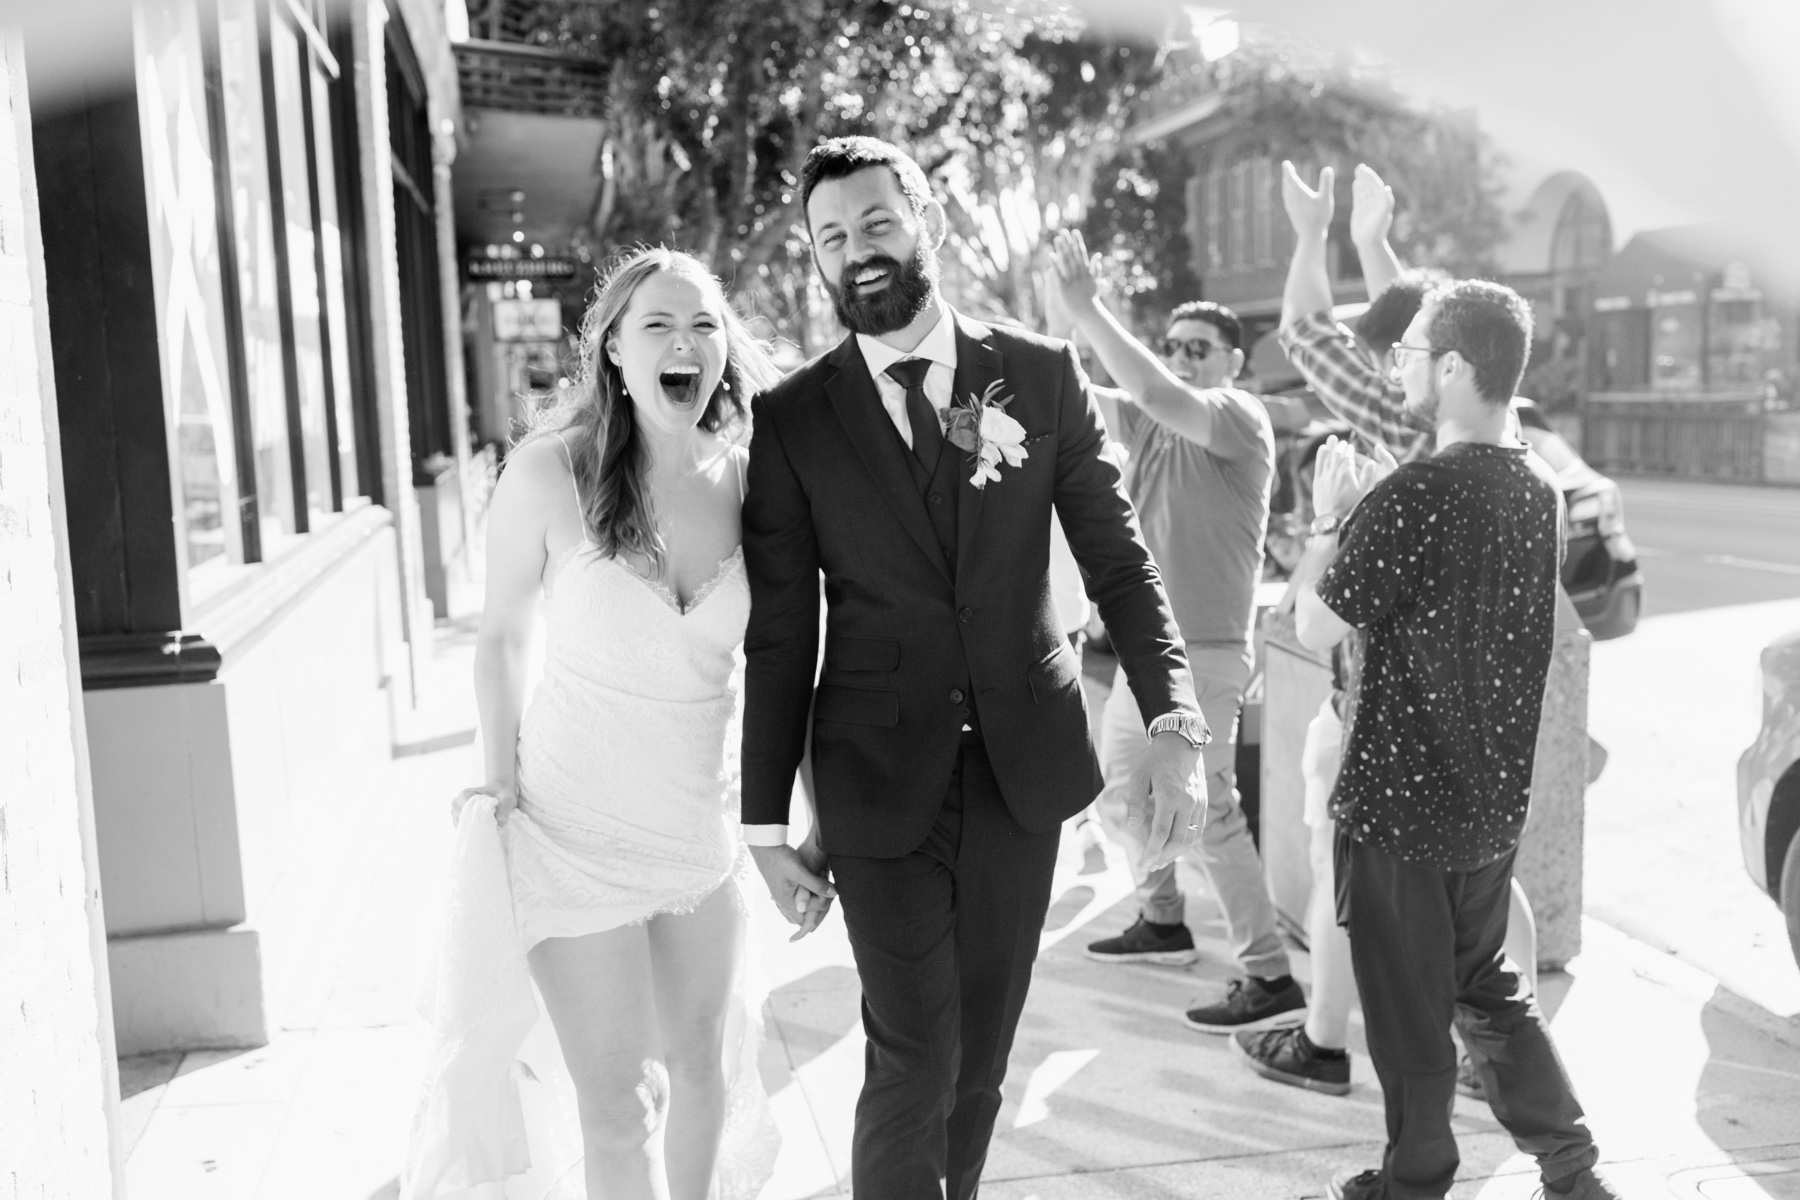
x=1249, y=1005
x=1468, y=1079
x=1282, y=1055
x=1357, y=1185
x=1585, y=1184
x=1147, y=942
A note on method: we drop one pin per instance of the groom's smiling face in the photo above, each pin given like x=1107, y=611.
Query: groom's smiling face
x=876, y=255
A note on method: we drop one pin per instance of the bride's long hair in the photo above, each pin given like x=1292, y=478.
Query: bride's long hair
x=594, y=414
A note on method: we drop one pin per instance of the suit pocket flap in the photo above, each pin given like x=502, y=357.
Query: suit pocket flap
x=857, y=706
x=862, y=654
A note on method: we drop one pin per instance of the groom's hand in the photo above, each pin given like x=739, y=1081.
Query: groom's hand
x=1168, y=792
x=797, y=883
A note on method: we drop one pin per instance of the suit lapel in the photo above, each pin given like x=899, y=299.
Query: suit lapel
x=978, y=365
x=871, y=430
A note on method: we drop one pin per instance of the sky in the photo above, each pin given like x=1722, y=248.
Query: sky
x=1678, y=110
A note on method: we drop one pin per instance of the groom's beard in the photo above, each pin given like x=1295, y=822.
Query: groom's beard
x=908, y=293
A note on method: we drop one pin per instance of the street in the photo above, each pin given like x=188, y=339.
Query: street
x=1706, y=546
x=1675, y=703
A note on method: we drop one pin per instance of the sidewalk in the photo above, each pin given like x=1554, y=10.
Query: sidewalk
x=1689, y=1094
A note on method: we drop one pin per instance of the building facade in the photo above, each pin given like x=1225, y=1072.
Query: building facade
x=1696, y=363
x=251, y=365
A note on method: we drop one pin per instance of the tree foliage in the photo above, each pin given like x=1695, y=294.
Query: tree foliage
x=714, y=106
x=1283, y=97
x=1318, y=107
x=1015, y=108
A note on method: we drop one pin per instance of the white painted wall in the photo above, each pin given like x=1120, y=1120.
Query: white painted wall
x=58, y=1085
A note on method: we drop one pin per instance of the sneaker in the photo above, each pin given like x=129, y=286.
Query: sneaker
x=1248, y=1005
x=1468, y=1079
x=1585, y=1184
x=1284, y=1056
x=1147, y=942
x=1357, y=1185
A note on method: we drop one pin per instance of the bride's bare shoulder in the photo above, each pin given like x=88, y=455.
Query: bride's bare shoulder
x=535, y=472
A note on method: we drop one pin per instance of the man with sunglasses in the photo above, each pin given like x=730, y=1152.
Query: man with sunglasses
x=1201, y=459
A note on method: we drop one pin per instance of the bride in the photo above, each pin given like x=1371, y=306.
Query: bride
x=614, y=792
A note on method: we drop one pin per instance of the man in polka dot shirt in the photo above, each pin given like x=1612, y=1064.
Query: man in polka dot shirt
x=1448, y=565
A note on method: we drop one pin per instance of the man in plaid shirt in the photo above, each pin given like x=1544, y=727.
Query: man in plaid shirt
x=1352, y=373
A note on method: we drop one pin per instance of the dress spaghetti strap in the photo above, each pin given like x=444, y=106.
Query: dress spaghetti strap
x=574, y=484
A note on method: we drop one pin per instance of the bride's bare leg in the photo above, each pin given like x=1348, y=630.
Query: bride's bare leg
x=601, y=1000
x=693, y=960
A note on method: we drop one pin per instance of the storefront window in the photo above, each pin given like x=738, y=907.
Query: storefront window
x=1739, y=344
x=309, y=415
x=1675, y=345
x=331, y=258
x=253, y=215
x=186, y=257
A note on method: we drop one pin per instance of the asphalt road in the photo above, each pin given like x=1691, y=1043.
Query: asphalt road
x=1675, y=703
x=1703, y=546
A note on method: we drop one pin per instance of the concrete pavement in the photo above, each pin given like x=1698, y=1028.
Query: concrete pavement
x=1108, y=1093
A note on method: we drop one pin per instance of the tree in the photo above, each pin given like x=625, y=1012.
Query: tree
x=1282, y=97
x=1298, y=100
x=713, y=108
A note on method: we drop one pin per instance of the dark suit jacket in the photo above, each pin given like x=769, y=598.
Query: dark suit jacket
x=906, y=634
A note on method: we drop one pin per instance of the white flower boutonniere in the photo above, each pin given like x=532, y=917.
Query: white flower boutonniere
x=979, y=426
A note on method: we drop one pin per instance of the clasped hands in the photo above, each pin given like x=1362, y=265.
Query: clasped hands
x=798, y=882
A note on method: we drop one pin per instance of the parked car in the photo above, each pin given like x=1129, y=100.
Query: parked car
x=1769, y=785
x=1601, y=572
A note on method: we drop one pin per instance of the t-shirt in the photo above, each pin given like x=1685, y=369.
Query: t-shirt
x=1203, y=517
x=1450, y=566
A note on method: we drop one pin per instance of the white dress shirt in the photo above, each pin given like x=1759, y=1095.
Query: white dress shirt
x=939, y=349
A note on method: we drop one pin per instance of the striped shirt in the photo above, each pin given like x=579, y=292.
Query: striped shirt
x=1353, y=385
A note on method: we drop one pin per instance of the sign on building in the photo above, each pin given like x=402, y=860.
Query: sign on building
x=527, y=320
x=548, y=267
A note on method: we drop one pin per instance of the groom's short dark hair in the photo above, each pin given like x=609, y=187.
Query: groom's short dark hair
x=838, y=157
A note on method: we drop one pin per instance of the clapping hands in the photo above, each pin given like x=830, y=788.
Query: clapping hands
x=1342, y=477
x=1371, y=207
x=1309, y=209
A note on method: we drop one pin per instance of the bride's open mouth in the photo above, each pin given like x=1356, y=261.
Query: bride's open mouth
x=681, y=384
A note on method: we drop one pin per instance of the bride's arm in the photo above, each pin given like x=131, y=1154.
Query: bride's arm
x=517, y=519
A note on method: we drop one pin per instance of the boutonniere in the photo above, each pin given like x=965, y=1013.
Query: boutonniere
x=979, y=426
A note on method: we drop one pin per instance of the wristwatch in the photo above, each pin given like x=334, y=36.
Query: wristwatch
x=1190, y=726
x=1327, y=524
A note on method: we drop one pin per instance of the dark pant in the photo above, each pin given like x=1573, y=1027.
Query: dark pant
x=1426, y=945
x=944, y=941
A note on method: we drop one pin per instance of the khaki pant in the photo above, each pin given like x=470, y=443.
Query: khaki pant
x=1225, y=852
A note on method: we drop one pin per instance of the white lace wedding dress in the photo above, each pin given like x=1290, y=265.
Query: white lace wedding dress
x=627, y=810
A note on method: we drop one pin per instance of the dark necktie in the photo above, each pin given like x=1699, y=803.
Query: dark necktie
x=927, y=433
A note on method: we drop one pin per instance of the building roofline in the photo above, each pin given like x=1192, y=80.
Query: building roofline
x=1155, y=129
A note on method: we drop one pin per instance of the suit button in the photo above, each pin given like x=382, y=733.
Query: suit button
x=956, y=696
x=965, y=614
x=936, y=498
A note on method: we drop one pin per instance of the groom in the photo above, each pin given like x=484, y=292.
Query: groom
x=949, y=735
